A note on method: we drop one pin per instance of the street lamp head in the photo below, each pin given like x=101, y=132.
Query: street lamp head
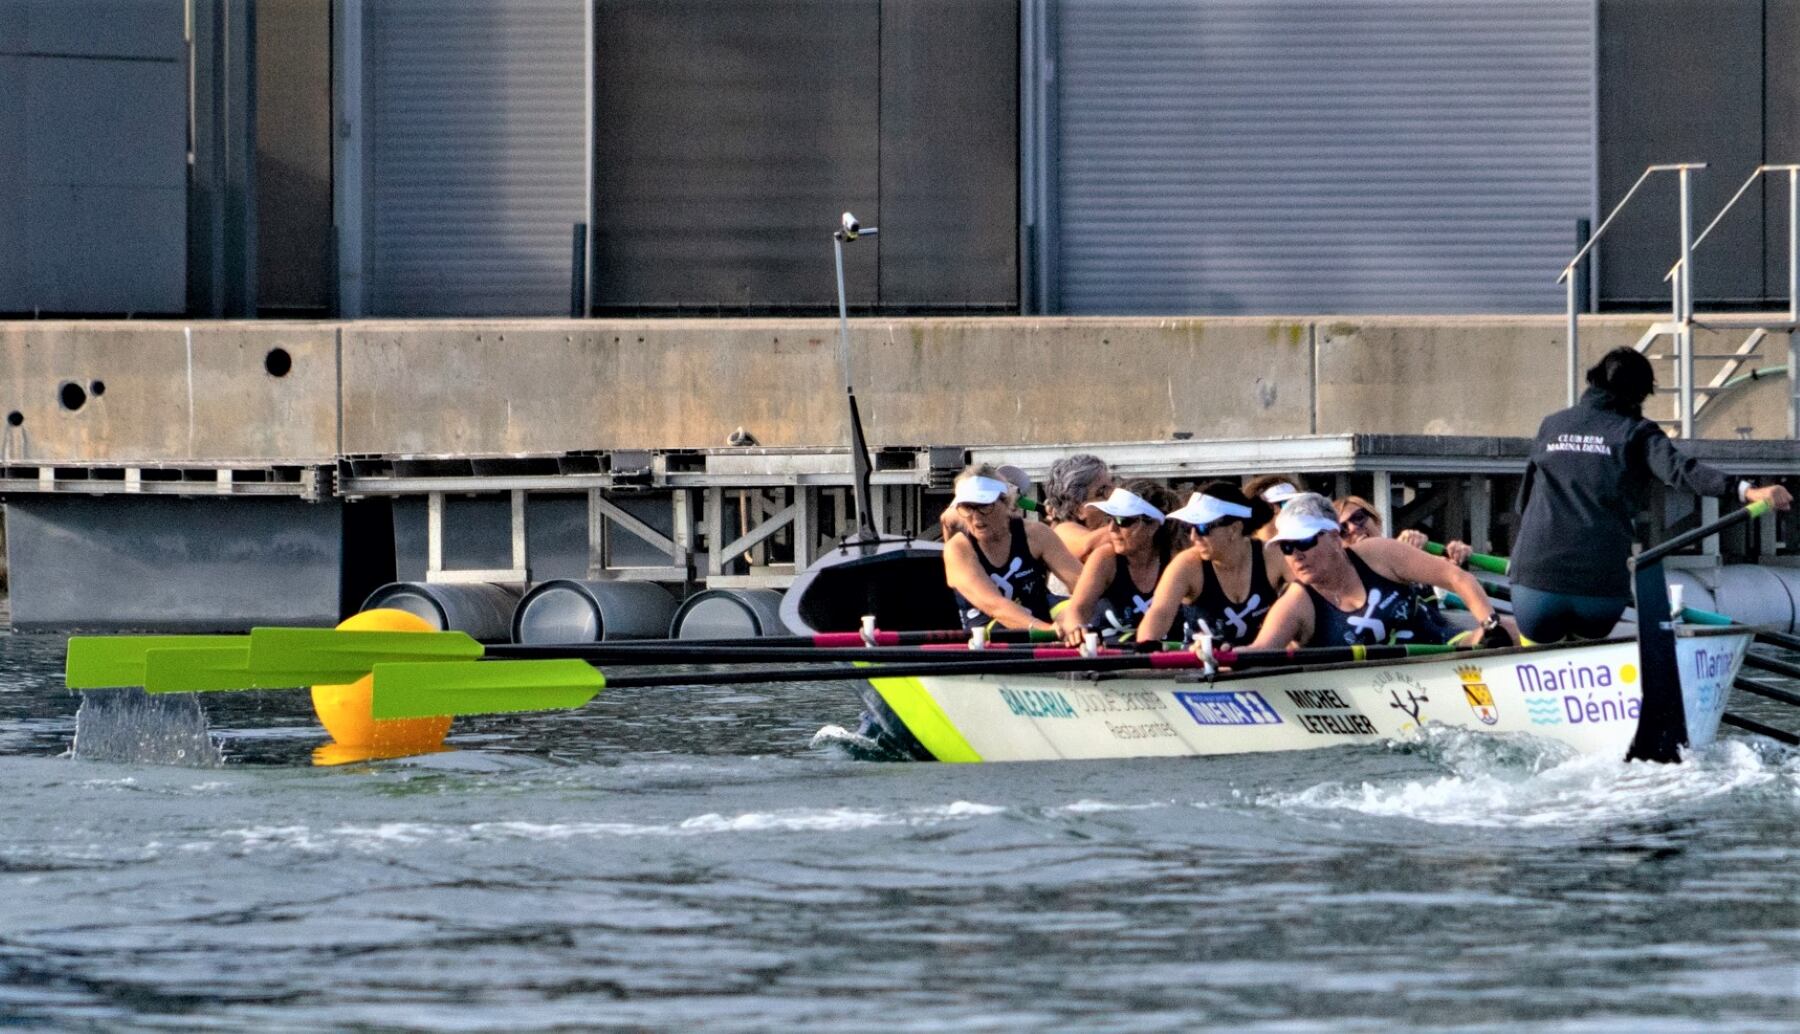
x=851, y=229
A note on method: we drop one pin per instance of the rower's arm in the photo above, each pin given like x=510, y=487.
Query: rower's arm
x=1048, y=546
x=1290, y=621
x=1403, y=563
x=1096, y=576
x=963, y=573
x=1274, y=565
x=1172, y=590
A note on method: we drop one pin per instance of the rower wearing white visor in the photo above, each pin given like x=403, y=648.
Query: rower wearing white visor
x=1276, y=490
x=1119, y=577
x=1362, y=594
x=997, y=564
x=1224, y=584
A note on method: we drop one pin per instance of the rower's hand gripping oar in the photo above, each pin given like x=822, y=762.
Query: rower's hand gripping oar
x=1662, y=723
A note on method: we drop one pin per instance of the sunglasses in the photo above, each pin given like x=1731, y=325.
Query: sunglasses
x=1223, y=522
x=1129, y=522
x=1355, y=521
x=1290, y=548
x=978, y=509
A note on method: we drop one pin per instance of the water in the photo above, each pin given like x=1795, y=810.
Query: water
x=687, y=859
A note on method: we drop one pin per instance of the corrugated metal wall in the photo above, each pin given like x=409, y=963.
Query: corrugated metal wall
x=1260, y=156
x=476, y=156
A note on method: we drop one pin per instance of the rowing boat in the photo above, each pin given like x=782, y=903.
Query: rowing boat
x=1587, y=697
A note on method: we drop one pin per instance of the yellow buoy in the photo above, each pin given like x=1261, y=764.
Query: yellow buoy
x=344, y=710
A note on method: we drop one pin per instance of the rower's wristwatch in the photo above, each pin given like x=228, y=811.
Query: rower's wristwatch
x=1491, y=623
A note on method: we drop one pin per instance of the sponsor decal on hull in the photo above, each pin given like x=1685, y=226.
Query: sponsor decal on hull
x=1245, y=708
x=1323, y=713
x=1476, y=692
x=1575, y=693
x=1037, y=703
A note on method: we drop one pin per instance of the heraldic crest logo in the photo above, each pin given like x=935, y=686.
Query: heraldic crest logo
x=1480, y=698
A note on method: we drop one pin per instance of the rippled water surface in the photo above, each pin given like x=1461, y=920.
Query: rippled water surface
x=688, y=859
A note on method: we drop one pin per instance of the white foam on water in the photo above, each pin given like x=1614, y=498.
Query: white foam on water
x=1091, y=807
x=1524, y=784
x=385, y=836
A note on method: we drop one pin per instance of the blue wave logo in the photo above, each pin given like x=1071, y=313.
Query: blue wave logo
x=1544, y=710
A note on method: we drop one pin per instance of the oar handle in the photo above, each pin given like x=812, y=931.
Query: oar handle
x=1686, y=539
x=1479, y=561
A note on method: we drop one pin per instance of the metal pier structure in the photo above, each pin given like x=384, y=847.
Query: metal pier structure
x=218, y=546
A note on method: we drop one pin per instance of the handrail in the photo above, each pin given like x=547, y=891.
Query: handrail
x=1759, y=171
x=1569, y=269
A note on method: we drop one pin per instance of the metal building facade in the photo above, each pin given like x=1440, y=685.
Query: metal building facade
x=1286, y=156
x=474, y=155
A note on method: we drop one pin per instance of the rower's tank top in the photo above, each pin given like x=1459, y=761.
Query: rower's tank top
x=1392, y=613
x=1121, y=606
x=1022, y=580
x=1235, y=622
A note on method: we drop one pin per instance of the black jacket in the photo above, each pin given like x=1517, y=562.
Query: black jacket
x=1589, y=474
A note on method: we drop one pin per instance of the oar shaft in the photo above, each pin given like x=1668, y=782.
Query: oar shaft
x=601, y=653
x=1781, y=639
x=1771, y=665
x=1686, y=539
x=1752, y=725
x=1761, y=690
x=1478, y=561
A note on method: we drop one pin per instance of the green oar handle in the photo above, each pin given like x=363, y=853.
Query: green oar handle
x=1478, y=561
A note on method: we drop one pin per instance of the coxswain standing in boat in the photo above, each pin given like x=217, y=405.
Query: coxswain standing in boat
x=1362, y=594
x=1121, y=574
x=1590, y=472
x=1226, y=581
x=998, y=564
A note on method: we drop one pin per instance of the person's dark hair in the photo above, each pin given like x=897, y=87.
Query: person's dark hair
x=1261, y=512
x=1256, y=486
x=1067, y=486
x=1624, y=374
x=1163, y=498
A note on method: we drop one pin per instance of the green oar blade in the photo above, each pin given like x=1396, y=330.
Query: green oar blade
x=115, y=661
x=198, y=669
x=327, y=656
x=431, y=688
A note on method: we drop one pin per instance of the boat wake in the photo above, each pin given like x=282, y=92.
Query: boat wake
x=1504, y=782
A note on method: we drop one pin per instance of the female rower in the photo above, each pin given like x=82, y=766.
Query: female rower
x=1276, y=490
x=1227, y=580
x=1121, y=574
x=1589, y=474
x=1362, y=594
x=1074, y=482
x=998, y=564
x=1358, y=520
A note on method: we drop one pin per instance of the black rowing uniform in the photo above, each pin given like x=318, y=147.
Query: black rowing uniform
x=1232, y=622
x=1023, y=579
x=1122, y=605
x=1392, y=613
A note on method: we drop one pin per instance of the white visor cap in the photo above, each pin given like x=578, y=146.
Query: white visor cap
x=1279, y=493
x=1202, y=510
x=978, y=491
x=1296, y=527
x=1126, y=504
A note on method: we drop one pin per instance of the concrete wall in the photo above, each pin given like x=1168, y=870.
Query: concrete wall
x=490, y=387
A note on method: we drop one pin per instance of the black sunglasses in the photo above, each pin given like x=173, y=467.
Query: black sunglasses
x=981, y=509
x=1223, y=522
x=1129, y=522
x=1354, y=521
x=1289, y=548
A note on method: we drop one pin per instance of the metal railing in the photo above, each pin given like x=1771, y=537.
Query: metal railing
x=1683, y=301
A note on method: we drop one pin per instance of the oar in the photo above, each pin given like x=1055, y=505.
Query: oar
x=1662, y=723
x=1781, y=639
x=117, y=661
x=1749, y=685
x=1752, y=725
x=1771, y=665
x=1479, y=561
x=432, y=689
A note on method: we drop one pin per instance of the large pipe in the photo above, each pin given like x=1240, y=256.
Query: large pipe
x=483, y=610
x=1753, y=594
x=569, y=610
x=728, y=614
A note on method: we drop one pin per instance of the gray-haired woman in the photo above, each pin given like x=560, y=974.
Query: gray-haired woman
x=1073, y=482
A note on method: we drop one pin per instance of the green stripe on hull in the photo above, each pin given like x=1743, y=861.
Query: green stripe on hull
x=924, y=719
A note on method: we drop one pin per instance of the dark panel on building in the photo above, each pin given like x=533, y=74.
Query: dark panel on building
x=727, y=138
x=155, y=563
x=949, y=154
x=93, y=164
x=475, y=155
x=1781, y=123
x=293, y=157
x=1680, y=81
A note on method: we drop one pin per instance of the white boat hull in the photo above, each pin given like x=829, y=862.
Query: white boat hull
x=1586, y=696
